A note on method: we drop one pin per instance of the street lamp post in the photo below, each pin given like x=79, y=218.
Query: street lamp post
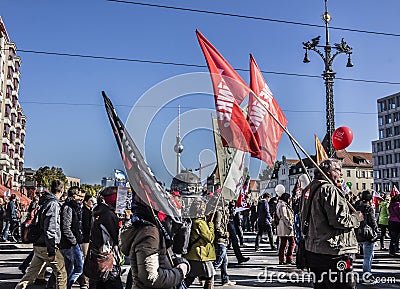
x=328, y=74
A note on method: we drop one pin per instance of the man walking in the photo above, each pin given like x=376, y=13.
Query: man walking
x=71, y=234
x=331, y=241
x=46, y=248
x=264, y=222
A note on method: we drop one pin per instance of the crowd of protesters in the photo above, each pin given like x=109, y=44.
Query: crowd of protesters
x=77, y=230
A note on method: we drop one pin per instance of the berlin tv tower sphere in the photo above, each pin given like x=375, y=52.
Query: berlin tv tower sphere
x=178, y=148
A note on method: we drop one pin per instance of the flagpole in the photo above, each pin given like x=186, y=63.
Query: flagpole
x=294, y=141
x=301, y=161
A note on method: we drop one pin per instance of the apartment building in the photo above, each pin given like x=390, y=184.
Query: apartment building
x=12, y=118
x=386, y=150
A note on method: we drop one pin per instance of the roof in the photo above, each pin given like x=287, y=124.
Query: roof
x=350, y=159
x=355, y=159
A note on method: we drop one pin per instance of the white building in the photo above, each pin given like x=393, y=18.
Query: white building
x=12, y=118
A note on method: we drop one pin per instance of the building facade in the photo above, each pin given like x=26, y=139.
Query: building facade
x=357, y=172
x=386, y=150
x=12, y=118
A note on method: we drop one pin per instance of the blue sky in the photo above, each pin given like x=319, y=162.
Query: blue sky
x=61, y=96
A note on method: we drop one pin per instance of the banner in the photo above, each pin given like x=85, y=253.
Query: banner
x=140, y=176
x=264, y=127
x=229, y=92
x=124, y=200
x=241, y=203
x=230, y=166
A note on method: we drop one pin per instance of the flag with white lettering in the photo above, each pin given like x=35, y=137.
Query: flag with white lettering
x=140, y=176
x=266, y=130
x=229, y=92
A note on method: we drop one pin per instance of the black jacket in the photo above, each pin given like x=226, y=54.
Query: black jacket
x=369, y=218
x=104, y=215
x=71, y=224
x=264, y=216
x=86, y=223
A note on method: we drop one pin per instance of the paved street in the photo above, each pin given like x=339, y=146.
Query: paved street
x=247, y=275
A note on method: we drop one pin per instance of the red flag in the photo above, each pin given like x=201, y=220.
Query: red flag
x=266, y=130
x=376, y=199
x=229, y=92
x=241, y=203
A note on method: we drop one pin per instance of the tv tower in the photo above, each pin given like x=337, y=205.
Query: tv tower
x=178, y=148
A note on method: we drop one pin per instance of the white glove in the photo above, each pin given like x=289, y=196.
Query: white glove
x=184, y=267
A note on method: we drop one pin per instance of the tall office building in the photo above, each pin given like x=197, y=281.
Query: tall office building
x=12, y=118
x=386, y=150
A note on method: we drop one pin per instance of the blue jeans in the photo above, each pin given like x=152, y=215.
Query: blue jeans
x=368, y=249
x=222, y=261
x=6, y=230
x=73, y=259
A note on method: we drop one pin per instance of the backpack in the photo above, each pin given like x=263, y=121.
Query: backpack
x=32, y=229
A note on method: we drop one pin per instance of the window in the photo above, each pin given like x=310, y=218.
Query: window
x=388, y=159
x=5, y=148
x=364, y=186
x=397, y=157
x=392, y=103
x=363, y=174
x=396, y=130
x=396, y=116
x=396, y=143
x=388, y=145
x=357, y=186
x=380, y=120
x=348, y=173
x=382, y=106
x=371, y=186
x=393, y=172
x=389, y=132
x=380, y=160
x=371, y=174
x=381, y=133
x=379, y=146
x=388, y=118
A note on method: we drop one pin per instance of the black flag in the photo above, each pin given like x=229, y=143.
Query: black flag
x=140, y=176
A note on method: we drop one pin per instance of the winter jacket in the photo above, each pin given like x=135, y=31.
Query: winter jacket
x=286, y=219
x=331, y=226
x=71, y=224
x=221, y=227
x=201, y=237
x=49, y=221
x=103, y=215
x=151, y=267
x=11, y=212
x=86, y=224
x=383, y=213
x=369, y=218
x=264, y=216
x=394, y=211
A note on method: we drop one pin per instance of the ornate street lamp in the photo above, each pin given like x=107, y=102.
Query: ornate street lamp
x=328, y=74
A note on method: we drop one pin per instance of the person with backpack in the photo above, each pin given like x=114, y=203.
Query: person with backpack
x=104, y=240
x=46, y=247
x=367, y=242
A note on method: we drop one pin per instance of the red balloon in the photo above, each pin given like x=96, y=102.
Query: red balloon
x=342, y=137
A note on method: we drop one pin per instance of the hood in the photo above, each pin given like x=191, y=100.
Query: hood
x=47, y=197
x=100, y=209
